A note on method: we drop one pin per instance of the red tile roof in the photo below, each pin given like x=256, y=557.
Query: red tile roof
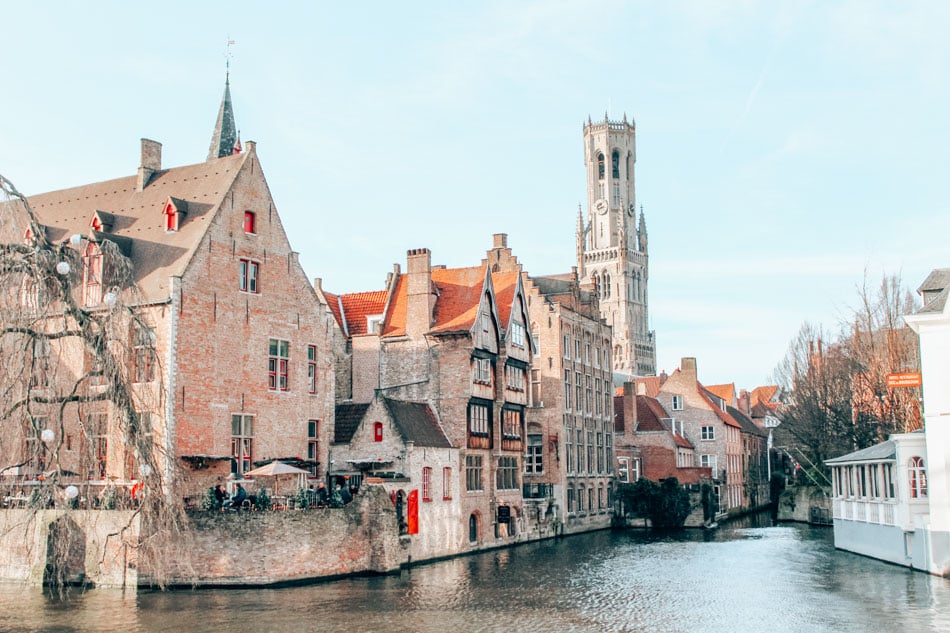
x=722, y=415
x=458, y=293
x=652, y=384
x=726, y=392
x=356, y=306
x=764, y=394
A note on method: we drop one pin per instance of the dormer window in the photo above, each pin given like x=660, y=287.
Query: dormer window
x=102, y=221
x=174, y=211
x=28, y=238
x=249, y=226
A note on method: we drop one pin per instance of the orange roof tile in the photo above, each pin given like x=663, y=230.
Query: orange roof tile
x=726, y=392
x=764, y=394
x=722, y=415
x=357, y=306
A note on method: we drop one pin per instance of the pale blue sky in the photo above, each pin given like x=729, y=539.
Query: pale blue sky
x=783, y=147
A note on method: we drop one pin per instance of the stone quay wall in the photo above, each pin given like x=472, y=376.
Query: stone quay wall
x=218, y=548
x=290, y=546
x=805, y=504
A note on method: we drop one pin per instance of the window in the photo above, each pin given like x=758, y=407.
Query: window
x=570, y=500
x=887, y=474
x=249, y=222
x=708, y=433
x=242, y=441
x=533, y=461
x=481, y=370
x=536, y=387
x=597, y=387
x=590, y=395
x=249, y=274
x=577, y=349
x=636, y=469
x=312, y=368
x=567, y=389
x=143, y=353
x=590, y=451
x=517, y=334
x=511, y=424
x=446, y=483
x=610, y=451
x=313, y=444
x=277, y=361
x=615, y=164
x=472, y=528
x=473, y=473
x=506, y=477
x=600, y=166
x=578, y=390
x=426, y=483
x=377, y=431
x=514, y=378
x=567, y=346
x=587, y=353
x=677, y=403
x=478, y=419
x=710, y=461
x=92, y=275
x=580, y=451
x=623, y=469
x=918, y=478
x=600, y=452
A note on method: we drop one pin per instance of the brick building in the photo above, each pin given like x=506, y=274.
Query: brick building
x=456, y=340
x=228, y=350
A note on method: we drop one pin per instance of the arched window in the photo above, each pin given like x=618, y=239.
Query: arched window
x=918, y=478
x=629, y=165
x=615, y=164
x=595, y=278
x=606, y=285
x=472, y=528
x=600, y=166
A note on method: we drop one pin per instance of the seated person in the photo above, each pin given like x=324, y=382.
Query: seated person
x=237, y=498
x=220, y=496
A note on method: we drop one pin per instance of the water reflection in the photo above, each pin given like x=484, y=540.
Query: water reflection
x=744, y=576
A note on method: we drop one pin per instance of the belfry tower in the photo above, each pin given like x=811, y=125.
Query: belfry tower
x=612, y=244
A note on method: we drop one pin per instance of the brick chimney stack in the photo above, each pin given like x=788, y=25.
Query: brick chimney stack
x=421, y=299
x=630, y=392
x=688, y=367
x=151, y=162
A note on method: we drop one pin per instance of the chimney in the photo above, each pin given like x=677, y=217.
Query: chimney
x=688, y=366
x=500, y=240
x=743, y=404
x=151, y=162
x=250, y=147
x=421, y=299
x=629, y=407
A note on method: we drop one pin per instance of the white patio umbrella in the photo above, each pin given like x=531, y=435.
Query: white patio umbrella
x=275, y=469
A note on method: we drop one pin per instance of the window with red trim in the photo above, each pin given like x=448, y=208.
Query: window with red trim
x=249, y=222
x=377, y=431
x=427, y=484
x=249, y=274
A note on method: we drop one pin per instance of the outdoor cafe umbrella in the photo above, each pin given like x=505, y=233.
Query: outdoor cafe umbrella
x=275, y=469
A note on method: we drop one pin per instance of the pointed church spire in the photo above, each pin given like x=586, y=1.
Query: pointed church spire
x=225, y=131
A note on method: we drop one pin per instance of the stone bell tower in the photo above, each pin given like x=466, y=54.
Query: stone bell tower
x=612, y=244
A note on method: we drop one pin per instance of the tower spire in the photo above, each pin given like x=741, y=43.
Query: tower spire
x=225, y=130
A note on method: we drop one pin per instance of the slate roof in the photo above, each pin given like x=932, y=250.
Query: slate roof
x=746, y=423
x=878, y=452
x=138, y=216
x=934, y=290
x=417, y=423
x=347, y=419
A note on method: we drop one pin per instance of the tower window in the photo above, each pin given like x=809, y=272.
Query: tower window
x=600, y=166
x=615, y=164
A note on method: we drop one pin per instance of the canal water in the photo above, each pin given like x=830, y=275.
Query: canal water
x=739, y=578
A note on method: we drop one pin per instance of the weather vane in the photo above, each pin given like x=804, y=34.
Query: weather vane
x=227, y=56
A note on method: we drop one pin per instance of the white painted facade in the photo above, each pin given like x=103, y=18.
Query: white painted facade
x=912, y=526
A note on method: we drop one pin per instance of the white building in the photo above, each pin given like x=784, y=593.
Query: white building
x=892, y=500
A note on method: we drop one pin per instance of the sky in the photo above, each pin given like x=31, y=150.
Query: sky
x=786, y=151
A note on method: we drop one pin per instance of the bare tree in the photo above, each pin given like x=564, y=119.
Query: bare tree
x=836, y=395
x=71, y=410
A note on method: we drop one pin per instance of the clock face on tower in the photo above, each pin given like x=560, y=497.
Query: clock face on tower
x=631, y=210
x=601, y=206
